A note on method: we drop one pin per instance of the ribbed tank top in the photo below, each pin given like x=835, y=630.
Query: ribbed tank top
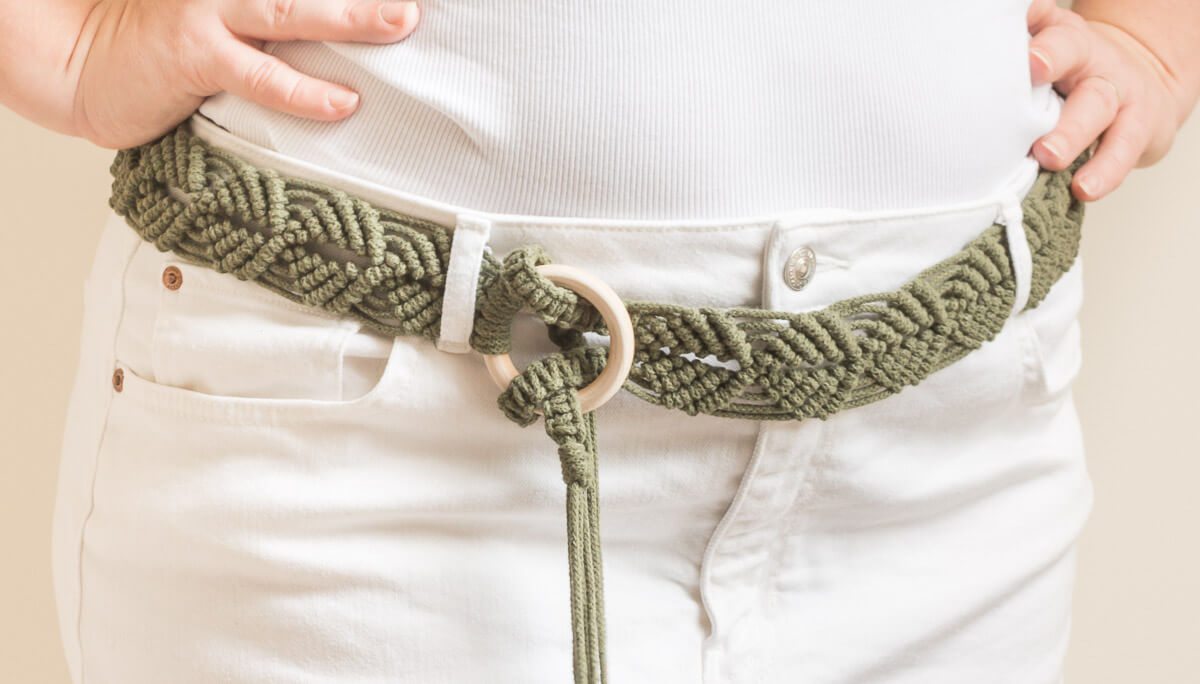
x=661, y=109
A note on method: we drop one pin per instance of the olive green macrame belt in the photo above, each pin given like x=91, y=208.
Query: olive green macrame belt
x=211, y=208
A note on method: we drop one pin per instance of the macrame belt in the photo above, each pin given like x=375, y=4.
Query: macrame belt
x=319, y=246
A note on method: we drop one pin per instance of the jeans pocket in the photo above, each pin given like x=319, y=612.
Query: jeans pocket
x=192, y=328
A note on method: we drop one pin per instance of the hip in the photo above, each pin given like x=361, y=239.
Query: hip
x=314, y=495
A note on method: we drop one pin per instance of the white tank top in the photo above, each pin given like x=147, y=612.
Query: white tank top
x=665, y=109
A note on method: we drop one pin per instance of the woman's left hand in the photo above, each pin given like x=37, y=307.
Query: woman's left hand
x=1116, y=89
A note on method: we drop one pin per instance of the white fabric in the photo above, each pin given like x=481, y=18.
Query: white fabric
x=676, y=110
x=462, y=279
x=1012, y=217
x=239, y=512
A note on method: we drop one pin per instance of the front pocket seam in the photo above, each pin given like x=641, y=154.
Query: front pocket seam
x=224, y=409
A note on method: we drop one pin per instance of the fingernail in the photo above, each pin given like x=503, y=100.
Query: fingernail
x=1053, y=146
x=1089, y=184
x=1043, y=60
x=398, y=13
x=342, y=99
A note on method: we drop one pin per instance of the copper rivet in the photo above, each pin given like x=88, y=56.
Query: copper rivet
x=118, y=379
x=172, y=277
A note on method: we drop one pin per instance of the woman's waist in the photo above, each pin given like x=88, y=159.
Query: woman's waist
x=681, y=167
x=622, y=113
x=674, y=170
x=730, y=261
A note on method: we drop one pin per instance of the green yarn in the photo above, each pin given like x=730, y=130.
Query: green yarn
x=321, y=247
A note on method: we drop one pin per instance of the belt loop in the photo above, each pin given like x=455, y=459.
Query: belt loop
x=467, y=245
x=1012, y=218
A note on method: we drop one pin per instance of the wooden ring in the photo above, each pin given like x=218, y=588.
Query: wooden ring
x=620, y=329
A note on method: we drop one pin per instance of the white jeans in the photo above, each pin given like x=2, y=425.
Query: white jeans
x=275, y=495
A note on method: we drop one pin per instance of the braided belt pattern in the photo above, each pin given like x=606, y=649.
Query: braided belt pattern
x=321, y=247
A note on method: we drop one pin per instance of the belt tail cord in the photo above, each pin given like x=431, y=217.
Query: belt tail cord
x=550, y=386
x=583, y=550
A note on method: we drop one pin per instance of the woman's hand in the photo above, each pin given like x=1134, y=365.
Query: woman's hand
x=1116, y=89
x=138, y=67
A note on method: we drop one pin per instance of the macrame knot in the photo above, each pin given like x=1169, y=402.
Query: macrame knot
x=544, y=380
x=551, y=384
x=517, y=285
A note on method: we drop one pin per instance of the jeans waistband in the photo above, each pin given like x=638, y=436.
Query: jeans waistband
x=725, y=262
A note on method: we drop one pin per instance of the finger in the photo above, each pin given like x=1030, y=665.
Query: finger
x=267, y=80
x=1041, y=14
x=1120, y=148
x=363, y=21
x=1058, y=51
x=1089, y=109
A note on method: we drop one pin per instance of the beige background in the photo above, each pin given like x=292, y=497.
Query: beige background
x=1137, y=609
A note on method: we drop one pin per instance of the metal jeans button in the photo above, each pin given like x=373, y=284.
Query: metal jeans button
x=799, y=267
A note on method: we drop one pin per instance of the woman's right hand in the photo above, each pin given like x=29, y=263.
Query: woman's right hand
x=139, y=67
x=1116, y=87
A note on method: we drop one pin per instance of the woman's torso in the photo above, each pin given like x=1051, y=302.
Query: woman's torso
x=674, y=110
